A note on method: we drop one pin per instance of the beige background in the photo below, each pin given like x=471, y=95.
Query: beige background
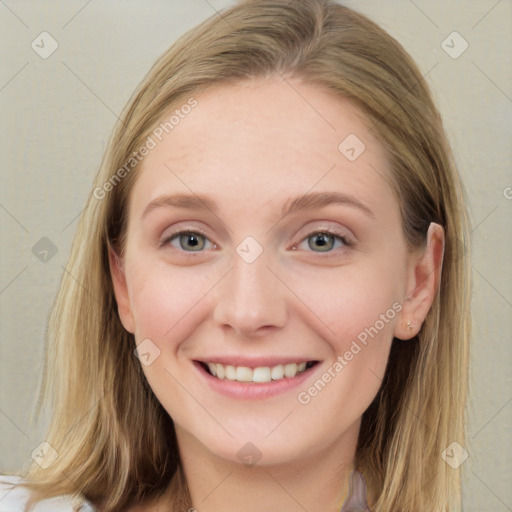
x=57, y=114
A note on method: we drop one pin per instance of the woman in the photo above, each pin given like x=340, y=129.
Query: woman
x=310, y=347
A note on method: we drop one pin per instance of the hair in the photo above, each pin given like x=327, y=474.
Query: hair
x=116, y=443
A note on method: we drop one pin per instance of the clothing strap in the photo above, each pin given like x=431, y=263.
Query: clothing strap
x=356, y=499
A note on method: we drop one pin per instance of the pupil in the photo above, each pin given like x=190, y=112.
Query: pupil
x=323, y=241
x=190, y=240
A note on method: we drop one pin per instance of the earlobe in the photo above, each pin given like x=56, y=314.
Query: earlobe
x=120, y=289
x=423, y=284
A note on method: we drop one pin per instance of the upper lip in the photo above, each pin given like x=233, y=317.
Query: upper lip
x=255, y=362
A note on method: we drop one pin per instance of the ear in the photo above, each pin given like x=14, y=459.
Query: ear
x=120, y=289
x=422, y=284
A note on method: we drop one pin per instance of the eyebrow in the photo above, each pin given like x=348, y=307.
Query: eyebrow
x=307, y=201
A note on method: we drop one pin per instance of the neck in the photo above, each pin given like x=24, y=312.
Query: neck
x=315, y=483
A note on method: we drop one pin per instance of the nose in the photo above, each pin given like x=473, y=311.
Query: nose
x=250, y=299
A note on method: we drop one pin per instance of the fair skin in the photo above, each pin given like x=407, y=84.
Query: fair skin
x=251, y=147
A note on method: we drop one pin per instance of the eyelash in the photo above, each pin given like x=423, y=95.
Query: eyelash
x=343, y=238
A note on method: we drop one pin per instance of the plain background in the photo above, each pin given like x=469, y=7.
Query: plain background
x=57, y=114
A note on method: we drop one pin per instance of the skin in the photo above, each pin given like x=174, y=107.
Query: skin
x=250, y=147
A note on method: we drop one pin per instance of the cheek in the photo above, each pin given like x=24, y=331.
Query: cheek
x=165, y=305
x=163, y=301
x=360, y=307
x=353, y=299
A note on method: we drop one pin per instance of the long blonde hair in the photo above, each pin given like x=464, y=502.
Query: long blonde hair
x=115, y=442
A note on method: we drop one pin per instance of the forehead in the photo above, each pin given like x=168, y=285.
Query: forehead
x=264, y=138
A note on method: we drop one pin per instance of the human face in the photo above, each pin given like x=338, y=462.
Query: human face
x=258, y=288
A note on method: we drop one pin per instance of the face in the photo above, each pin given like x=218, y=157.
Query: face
x=259, y=249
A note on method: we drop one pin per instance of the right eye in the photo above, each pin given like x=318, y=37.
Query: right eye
x=188, y=241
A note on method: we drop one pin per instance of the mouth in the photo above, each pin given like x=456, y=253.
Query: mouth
x=259, y=374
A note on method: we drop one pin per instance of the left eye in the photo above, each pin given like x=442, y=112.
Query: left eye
x=324, y=241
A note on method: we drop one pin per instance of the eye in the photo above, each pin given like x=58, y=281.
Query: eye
x=195, y=241
x=188, y=241
x=325, y=241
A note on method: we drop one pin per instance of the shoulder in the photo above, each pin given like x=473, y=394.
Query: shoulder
x=14, y=498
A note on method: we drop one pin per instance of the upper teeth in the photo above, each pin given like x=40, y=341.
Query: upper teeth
x=259, y=374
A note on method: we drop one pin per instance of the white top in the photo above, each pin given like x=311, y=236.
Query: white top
x=15, y=500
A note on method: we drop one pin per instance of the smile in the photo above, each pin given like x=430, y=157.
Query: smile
x=260, y=374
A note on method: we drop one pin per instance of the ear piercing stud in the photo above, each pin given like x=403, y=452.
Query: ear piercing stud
x=410, y=325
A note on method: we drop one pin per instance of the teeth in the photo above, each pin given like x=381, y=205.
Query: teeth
x=260, y=374
x=243, y=374
x=290, y=370
x=230, y=372
x=277, y=372
x=220, y=371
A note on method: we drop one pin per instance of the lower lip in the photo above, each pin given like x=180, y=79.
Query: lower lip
x=253, y=390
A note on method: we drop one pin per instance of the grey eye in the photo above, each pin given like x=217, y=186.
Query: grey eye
x=321, y=241
x=189, y=241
